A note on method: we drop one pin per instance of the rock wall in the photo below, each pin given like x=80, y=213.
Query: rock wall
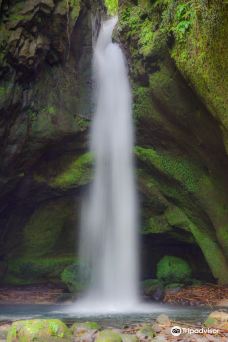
x=45, y=108
x=176, y=55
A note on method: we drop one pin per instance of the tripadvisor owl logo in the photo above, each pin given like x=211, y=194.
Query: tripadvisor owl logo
x=176, y=331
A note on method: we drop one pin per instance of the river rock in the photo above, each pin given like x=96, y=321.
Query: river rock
x=163, y=320
x=39, y=330
x=85, y=332
x=156, y=327
x=4, y=328
x=218, y=320
x=129, y=338
x=108, y=335
x=160, y=338
x=146, y=333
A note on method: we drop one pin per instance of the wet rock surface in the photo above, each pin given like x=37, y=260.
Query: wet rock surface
x=55, y=330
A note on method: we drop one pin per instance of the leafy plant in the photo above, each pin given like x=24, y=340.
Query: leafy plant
x=112, y=6
x=183, y=19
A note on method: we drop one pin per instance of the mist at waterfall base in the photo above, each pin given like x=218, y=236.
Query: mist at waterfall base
x=109, y=241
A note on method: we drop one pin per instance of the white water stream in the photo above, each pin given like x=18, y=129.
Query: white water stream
x=109, y=241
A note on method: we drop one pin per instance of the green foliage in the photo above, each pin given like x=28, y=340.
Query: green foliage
x=142, y=102
x=183, y=19
x=51, y=109
x=171, y=269
x=146, y=38
x=112, y=6
x=75, y=9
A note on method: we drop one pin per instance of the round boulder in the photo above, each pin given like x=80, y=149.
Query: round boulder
x=39, y=330
x=172, y=269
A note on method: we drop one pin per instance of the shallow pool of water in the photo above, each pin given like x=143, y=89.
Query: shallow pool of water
x=65, y=312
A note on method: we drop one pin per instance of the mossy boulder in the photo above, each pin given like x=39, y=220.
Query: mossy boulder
x=129, y=338
x=218, y=320
x=39, y=330
x=86, y=325
x=172, y=269
x=146, y=332
x=108, y=335
x=85, y=331
x=153, y=288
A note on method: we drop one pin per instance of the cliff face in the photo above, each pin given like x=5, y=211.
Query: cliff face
x=45, y=88
x=176, y=54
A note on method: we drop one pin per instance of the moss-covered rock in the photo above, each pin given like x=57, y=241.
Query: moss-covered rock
x=22, y=271
x=43, y=230
x=85, y=331
x=39, y=330
x=172, y=269
x=78, y=173
x=129, y=338
x=112, y=6
x=153, y=287
x=86, y=325
x=217, y=320
x=108, y=335
x=146, y=332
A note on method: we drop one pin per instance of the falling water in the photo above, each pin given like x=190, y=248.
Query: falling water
x=109, y=219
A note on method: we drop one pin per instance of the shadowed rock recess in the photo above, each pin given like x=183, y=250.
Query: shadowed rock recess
x=177, y=56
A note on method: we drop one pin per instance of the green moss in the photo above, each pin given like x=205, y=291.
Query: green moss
x=150, y=286
x=78, y=173
x=33, y=270
x=183, y=19
x=147, y=332
x=174, y=166
x=142, y=102
x=38, y=330
x=112, y=6
x=86, y=325
x=146, y=38
x=157, y=224
x=172, y=269
x=108, y=335
x=200, y=57
x=42, y=231
x=75, y=9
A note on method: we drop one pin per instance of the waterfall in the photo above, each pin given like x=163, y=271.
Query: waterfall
x=109, y=219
